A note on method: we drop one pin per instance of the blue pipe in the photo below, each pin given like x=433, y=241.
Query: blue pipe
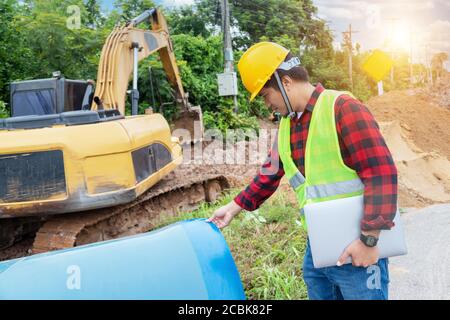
x=186, y=260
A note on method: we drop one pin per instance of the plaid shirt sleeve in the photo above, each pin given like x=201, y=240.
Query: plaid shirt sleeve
x=363, y=149
x=265, y=182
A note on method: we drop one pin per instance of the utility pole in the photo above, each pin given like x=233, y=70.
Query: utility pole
x=411, y=75
x=227, y=81
x=347, y=36
x=430, y=73
x=393, y=29
x=227, y=48
x=428, y=64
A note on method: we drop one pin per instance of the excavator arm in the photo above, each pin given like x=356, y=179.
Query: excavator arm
x=123, y=49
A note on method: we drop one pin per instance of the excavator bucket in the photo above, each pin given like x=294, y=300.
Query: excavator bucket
x=188, y=126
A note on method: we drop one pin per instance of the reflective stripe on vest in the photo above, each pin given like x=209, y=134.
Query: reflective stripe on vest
x=333, y=189
x=297, y=180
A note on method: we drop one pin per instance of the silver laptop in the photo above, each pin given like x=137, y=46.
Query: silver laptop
x=333, y=225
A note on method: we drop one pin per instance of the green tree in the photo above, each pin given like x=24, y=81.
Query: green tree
x=16, y=57
x=294, y=19
x=437, y=64
x=130, y=9
x=4, y=113
x=94, y=18
x=197, y=60
x=188, y=20
x=59, y=45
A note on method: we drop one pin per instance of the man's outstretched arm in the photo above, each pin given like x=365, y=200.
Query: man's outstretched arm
x=259, y=190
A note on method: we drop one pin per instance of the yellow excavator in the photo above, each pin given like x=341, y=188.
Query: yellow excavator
x=74, y=169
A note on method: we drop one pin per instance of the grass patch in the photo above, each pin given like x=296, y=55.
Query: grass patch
x=267, y=245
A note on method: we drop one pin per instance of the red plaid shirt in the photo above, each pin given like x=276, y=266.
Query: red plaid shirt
x=363, y=149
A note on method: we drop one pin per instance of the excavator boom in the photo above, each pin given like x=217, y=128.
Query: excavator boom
x=123, y=49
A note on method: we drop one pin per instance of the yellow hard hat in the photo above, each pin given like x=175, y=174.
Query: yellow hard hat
x=258, y=63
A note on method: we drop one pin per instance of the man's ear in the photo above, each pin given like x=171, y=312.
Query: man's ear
x=287, y=82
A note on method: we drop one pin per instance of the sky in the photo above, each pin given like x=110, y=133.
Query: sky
x=418, y=27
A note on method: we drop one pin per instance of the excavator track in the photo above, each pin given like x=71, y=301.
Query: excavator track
x=175, y=193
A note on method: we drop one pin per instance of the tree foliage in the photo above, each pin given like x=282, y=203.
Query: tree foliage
x=35, y=40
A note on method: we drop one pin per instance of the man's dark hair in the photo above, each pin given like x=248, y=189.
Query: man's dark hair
x=298, y=73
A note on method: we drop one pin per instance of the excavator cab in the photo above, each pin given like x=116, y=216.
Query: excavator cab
x=54, y=101
x=49, y=96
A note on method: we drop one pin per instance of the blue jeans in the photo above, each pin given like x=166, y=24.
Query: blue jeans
x=346, y=282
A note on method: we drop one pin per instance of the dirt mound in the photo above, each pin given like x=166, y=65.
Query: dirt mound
x=415, y=124
x=424, y=177
x=426, y=122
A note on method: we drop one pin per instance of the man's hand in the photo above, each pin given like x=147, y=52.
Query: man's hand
x=223, y=216
x=362, y=255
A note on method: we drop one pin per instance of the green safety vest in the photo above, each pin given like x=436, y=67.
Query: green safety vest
x=327, y=176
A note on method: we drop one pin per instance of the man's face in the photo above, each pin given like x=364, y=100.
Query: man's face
x=274, y=100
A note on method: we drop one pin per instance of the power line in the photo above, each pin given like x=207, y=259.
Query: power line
x=347, y=37
x=217, y=13
x=228, y=49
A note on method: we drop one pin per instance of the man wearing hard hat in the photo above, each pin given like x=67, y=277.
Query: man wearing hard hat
x=334, y=139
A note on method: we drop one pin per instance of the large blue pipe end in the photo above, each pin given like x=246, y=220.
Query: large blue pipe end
x=186, y=260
